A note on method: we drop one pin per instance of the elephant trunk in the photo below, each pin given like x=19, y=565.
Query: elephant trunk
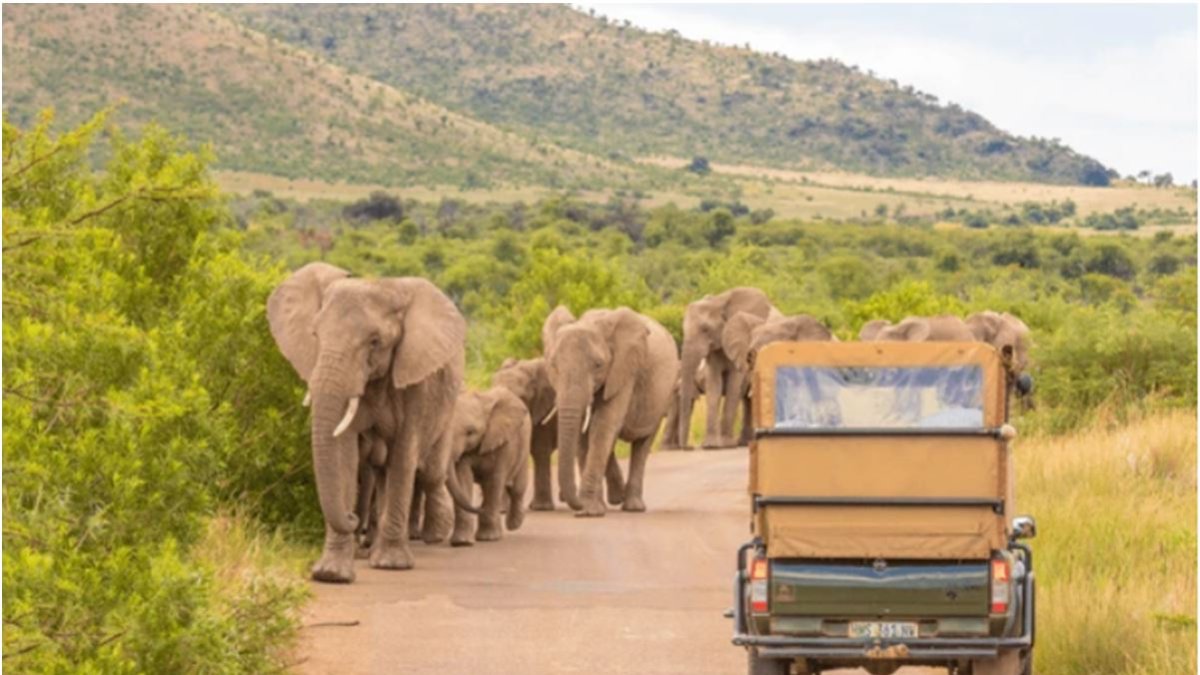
x=460, y=494
x=572, y=405
x=687, y=392
x=335, y=463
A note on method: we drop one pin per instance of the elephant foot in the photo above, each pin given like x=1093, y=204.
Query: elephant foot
x=615, y=494
x=591, y=508
x=634, y=505
x=719, y=444
x=335, y=567
x=362, y=552
x=543, y=504
x=489, y=532
x=573, y=502
x=394, y=556
x=460, y=539
x=414, y=533
x=514, y=519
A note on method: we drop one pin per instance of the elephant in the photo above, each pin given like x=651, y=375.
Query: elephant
x=382, y=358
x=612, y=371
x=529, y=380
x=491, y=434
x=670, y=436
x=1010, y=336
x=742, y=344
x=703, y=328
x=944, y=328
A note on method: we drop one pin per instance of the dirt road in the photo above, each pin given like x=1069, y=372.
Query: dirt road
x=627, y=593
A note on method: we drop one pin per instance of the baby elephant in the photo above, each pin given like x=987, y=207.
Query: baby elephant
x=491, y=434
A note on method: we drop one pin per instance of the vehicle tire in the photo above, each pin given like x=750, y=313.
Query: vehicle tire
x=1009, y=662
x=764, y=666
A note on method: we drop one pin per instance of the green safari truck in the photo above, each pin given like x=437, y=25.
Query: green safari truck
x=881, y=486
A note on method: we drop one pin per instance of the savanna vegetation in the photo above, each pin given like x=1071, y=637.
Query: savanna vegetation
x=157, y=484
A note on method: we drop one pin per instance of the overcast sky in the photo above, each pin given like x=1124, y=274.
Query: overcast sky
x=1117, y=82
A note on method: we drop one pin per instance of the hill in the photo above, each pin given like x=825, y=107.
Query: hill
x=264, y=106
x=605, y=87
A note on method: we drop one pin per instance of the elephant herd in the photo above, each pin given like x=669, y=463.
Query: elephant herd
x=398, y=444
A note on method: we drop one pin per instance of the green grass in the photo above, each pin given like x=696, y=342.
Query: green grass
x=1116, y=551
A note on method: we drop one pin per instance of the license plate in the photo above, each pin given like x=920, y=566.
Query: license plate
x=882, y=629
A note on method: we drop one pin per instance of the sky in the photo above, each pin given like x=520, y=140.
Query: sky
x=1116, y=82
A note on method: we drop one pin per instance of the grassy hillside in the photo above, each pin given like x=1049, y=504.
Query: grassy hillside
x=262, y=105
x=604, y=87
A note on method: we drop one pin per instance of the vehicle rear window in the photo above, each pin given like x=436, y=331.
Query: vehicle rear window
x=823, y=397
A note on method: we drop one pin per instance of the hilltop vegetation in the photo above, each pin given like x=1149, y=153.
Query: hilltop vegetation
x=486, y=97
x=551, y=71
x=262, y=105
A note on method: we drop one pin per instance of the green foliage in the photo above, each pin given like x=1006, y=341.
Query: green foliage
x=132, y=322
x=909, y=298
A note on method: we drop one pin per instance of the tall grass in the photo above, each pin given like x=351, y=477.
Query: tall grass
x=1116, y=552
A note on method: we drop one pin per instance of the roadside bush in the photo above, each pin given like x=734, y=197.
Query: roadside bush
x=131, y=328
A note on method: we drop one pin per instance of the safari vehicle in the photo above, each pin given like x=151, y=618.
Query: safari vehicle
x=881, y=482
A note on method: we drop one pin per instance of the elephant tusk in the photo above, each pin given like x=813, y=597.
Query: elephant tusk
x=587, y=418
x=550, y=414
x=351, y=411
x=307, y=398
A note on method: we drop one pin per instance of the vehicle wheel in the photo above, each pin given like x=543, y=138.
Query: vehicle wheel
x=1009, y=662
x=763, y=666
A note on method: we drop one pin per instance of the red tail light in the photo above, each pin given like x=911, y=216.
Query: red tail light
x=1001, y=586
x=759, y=571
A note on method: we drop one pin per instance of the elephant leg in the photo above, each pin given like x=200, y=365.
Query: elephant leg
x=670, y=437
x=614, y=481
x=747, y=422
x=543, y=490
x=439, y=507
x=637, y=473
x=713, y=387
x=600, y=439
x=414, y=509
x=337, y=558
x=391, y=547
x=464, y=521
x=731, y=403
x=493, y=499
x=366, y=498
x=516, y=496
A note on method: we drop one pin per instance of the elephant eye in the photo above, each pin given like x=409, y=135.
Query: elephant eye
x=375, y=342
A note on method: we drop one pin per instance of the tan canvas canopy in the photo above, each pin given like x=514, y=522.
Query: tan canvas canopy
x=880, y=450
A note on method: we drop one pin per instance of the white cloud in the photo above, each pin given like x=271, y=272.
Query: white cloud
x=1130, y=107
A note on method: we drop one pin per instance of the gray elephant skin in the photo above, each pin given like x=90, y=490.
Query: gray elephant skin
x=384, y=359
x=670, y=435
x=944, y=328
x=491, y=434
x=1011, y=337
x=612, y=371
x=745, y=334
x=530, y=381
x=704, y=325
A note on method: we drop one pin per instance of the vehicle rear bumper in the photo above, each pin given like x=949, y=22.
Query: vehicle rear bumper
x=925, y=650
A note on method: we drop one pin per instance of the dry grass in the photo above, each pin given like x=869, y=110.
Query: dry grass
x=1116, y=553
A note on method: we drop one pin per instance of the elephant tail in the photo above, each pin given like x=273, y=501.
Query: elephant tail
x=462, y=498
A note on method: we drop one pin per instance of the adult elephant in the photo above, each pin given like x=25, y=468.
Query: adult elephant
x=703, y=326
x=944, y=328
x=490, y=446
x=612, y=371
x=383, y=358
x=1010, y=336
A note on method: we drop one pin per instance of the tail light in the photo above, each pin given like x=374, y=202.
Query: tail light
x=758, y=585
x=1001, y=586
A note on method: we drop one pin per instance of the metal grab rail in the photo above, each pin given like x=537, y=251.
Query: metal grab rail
x=997, y=505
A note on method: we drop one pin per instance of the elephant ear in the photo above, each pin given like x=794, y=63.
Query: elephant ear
x=627, y=340
x=911, y=329
x=291, y=309
x=871, y=329
x=735, y=337
x=434, y=331
x=506, y=420
x=808, y=329
x=985, y=325
x=560, y=317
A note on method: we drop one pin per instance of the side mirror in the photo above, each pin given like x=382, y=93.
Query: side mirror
x=1024, y=527
x=1025, y=384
